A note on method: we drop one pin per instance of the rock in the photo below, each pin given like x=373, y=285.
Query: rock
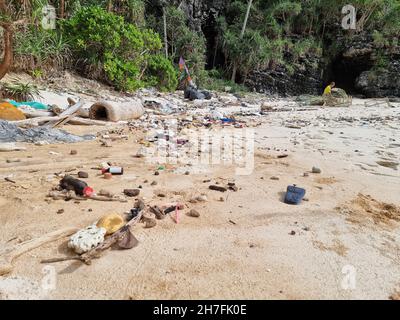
x=193, y=213
x=316, y=170
x=149, y=222
x=107, y=175
x=200, y=198
x=218, y=188
x=274, y=178
x=131, y=192
x=388, y=164
x=305, y=78
x=60, y=211
x=292, y=233
x=156, y=173
x=105, y=143
x=82, y=174
x=154, y=183
x=141, y=153
x=233, y=187
x=73, y=152
x=106, y=193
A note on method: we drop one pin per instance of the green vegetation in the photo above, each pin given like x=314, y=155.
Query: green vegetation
x=18, y=91
x=107, y=46
x=121, y=42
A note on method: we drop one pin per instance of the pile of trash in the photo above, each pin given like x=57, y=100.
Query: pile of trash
x=338, y=98
x=9, y=132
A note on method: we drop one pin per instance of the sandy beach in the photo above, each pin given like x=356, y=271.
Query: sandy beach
x=341, y=242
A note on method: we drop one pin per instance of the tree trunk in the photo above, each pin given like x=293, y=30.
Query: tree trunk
x=62, y=9
x=234, y=70
x=5, y=65
x=165, y=33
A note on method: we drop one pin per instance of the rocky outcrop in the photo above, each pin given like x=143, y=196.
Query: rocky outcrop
x=305, y=78
x=357, y=68
x=199, y=11
x=364, y=57
x=380, y=83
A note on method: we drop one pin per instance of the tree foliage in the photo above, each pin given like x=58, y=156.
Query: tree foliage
x=113, y=40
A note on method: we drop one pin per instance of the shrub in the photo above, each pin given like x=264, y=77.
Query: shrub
x=36, y=48
x=161, y=73
x=110, y=49
x=18, y=91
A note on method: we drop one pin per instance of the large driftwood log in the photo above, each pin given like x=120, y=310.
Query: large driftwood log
x=10, y=146
x=7, y=255
x=41, y=120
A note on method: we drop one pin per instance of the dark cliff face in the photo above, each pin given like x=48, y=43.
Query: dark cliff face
x=360, y=70
x=381, y=83
x=199, y=12
x=353, y=66
x=305, y=78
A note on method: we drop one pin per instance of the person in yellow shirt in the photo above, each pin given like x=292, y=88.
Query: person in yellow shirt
x=328, y=89
x=328, y=93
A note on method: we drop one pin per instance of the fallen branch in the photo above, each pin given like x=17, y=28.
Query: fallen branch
x=41, y=120
x=10, y=146
x=66, y=115
x=58, y=196
x=7, y=255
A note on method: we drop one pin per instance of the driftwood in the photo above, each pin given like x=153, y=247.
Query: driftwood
x=66, y=115
x=7, y=255
x=36, y=113
x=58, y=196
x=10, y=146
x=106, y=244
x=83, y=112
x=23, y=164
x=42, y=120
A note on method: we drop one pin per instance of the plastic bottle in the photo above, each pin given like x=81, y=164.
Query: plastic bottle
x=80, y=187
x=113, y=170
